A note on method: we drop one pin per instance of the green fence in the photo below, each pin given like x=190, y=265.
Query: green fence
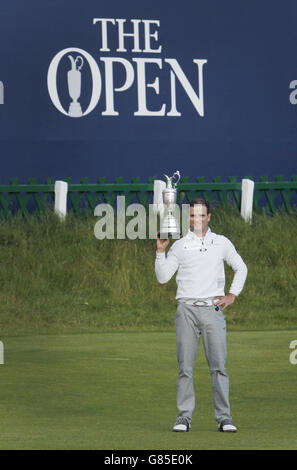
x=24, y=199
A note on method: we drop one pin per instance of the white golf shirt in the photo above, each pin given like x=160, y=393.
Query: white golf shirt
x=199, y=263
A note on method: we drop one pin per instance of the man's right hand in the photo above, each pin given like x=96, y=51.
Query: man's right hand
x=162, y=244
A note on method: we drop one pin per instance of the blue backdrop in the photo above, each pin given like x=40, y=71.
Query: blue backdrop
x=212, y=85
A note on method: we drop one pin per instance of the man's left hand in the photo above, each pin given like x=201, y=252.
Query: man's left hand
x=225, y=300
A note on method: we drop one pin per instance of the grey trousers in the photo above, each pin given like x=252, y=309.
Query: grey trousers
x=191, y=323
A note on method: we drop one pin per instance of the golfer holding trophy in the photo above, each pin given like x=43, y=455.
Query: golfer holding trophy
x=198, y=258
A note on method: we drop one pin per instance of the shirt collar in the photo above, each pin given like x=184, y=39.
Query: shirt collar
x=192, y=235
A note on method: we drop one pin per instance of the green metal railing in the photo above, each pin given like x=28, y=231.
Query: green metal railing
x=24, y=199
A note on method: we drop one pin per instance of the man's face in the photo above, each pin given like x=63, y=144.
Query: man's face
x=199, y=219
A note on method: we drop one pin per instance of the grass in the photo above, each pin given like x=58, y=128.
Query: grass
x=89, y=343
x=118, y=391
x=58, y=278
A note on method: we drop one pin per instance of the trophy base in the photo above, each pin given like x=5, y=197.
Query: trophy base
x=165, y=235
x=169, y=228
x=75, y=110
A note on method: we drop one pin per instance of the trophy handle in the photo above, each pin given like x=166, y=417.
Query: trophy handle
x=81, y=60
x=177, y=173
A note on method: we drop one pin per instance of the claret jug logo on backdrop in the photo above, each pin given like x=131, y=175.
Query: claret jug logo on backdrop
x=74, y=70
x=77, y=58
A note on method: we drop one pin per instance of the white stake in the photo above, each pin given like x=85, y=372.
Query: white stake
x=247, y=194
x=61, y=189
x=159, y=186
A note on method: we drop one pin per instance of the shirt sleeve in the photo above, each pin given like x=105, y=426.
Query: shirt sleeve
x=166, y=266
x=235, y=261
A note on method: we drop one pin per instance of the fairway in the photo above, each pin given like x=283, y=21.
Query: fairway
x=118, y=391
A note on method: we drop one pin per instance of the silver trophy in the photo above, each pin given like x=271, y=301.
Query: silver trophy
x=169, y=225
x=74, y=85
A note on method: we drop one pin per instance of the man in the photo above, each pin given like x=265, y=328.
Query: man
x=199, y=259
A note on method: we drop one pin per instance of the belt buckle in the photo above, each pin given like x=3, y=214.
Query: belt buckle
x=200, y=301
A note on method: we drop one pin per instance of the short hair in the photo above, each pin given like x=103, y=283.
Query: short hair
x=201, y=201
